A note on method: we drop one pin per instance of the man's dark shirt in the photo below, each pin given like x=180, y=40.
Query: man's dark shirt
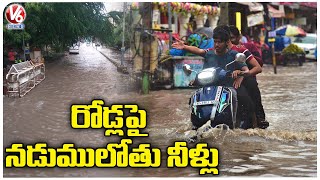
x=213, y=60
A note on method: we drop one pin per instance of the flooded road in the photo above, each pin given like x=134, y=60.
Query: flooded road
x=287, y=148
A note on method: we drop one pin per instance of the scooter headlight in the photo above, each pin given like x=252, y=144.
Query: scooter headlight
x=207, y=76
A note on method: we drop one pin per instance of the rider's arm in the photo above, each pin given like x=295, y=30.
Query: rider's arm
x=255, y=52
x=194, y=50
x=245, y=70
x=241, y=70
x=191, y=49
x=256, y=68
x=238, y=79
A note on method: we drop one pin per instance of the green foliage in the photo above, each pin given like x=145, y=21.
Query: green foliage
x=117, y=18
x=292, y=49
x=14, y=38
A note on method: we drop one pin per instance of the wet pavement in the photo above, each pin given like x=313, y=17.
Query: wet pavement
x=287, y=148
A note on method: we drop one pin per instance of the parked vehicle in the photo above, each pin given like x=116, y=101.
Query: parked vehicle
x=308, y=44
x=74, y=49
x=213, y=105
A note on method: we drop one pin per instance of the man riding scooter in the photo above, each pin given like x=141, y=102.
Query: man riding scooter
x=253, y=64
x=220, y=56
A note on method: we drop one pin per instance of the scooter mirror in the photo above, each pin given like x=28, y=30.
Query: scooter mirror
x=240, y=57
x=187, y=69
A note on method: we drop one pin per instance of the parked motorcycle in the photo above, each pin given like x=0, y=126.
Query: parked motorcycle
x=212, y=101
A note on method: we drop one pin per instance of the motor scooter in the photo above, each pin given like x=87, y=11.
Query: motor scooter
x=213, y=103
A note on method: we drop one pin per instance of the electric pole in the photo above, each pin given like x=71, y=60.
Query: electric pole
x=224, y=13
x=123, y=49
x=147, y=24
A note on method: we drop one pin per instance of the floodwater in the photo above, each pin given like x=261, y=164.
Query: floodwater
x=287, y=148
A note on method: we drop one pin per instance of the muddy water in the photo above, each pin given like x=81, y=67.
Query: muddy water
x=287, y=148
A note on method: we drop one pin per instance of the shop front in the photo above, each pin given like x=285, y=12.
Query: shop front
x=177, y=21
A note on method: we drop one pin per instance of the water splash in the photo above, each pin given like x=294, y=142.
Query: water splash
x=220, y=133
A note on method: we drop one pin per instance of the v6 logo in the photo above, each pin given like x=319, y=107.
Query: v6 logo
x=15, y=14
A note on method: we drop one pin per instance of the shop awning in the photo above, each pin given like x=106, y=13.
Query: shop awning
x=276, y=13
x=309, y=4
x=253, y=6
x=286, y=3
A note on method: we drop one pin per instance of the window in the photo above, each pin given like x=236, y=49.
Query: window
x=306, y=40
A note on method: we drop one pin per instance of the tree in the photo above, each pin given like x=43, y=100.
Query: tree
x=117, y=19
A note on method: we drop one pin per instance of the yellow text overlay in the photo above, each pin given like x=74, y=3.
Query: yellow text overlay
x=113, y=155
x=199, y=157
x=111, y=118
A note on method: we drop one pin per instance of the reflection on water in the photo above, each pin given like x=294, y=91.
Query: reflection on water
x=286, y=148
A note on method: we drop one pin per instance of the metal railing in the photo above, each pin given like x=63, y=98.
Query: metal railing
x=23, y=77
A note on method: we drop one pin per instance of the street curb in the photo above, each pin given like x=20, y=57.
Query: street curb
x=120, y=68
x=134, y=77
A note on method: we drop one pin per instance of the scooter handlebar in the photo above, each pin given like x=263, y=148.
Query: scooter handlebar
x=222, y=74
x=229, y=73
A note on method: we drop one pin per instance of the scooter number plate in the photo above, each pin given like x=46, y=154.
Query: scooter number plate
x=205, y=103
